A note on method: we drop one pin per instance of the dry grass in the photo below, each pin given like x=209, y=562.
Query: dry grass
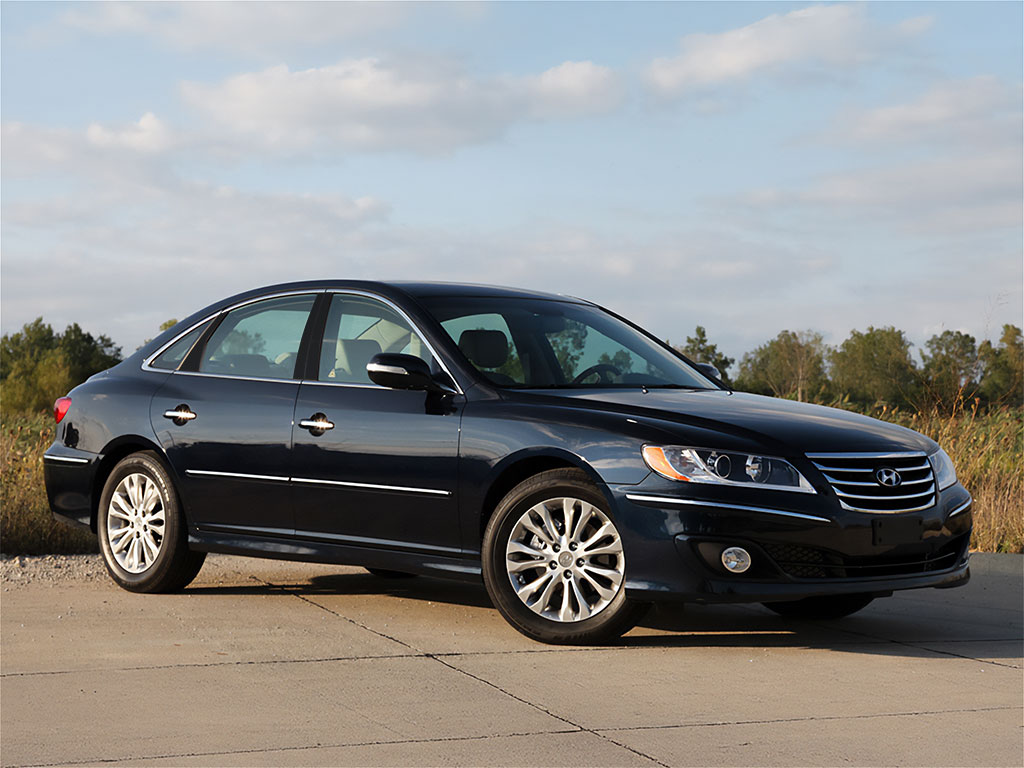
x=26, y=525
x=988, y=453
x=987, y=449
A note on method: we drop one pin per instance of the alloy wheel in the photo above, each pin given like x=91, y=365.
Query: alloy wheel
x=135, y=522
x=564, y=559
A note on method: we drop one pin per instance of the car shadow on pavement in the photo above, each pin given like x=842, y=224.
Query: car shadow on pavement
x=671, y=625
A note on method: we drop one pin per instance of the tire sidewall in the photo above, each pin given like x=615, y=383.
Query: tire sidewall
x=608, y=623
x=150, y=579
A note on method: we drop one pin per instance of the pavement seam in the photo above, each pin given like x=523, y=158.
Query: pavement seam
x=455, y=654
x=821, y=718
x=300, y=747
x=910, y=644
x=495, y=686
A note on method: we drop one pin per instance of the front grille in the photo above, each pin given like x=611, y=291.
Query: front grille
x=810, y=563
x=857, y=480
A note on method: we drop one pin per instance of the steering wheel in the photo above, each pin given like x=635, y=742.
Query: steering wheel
x=600, y=369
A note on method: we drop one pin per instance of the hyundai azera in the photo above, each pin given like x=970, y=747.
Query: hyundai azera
x=578, y=465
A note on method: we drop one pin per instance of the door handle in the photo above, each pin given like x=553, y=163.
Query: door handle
x=180, y=414
x=317, y=424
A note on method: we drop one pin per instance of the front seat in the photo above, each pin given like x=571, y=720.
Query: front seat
x=485, y=350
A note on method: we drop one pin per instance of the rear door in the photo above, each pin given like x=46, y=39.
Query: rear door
x=225, y=417
x=385, y=473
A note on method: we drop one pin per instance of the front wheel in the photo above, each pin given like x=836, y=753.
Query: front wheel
x=142, y=530
x=823, y=607
x=553, y=562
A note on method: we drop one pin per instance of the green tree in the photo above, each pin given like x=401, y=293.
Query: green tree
x=168, y=324
x=700, y=350
x=1002, y=379
x=875, y=368
x=37, y=365
x=950, y=368
x=790, y=365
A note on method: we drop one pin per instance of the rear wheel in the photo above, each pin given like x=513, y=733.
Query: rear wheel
x=142, y=531
x=553, y=562
x=823, y=607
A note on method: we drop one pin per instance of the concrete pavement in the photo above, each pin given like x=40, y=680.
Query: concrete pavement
x=268, y=663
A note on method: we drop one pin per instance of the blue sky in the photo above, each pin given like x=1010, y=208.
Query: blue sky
x=750, y=167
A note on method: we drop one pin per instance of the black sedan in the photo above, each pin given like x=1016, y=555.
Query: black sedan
x=579, y=465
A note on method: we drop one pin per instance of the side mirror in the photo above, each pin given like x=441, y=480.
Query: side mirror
x=709, y=370
x=404, y=372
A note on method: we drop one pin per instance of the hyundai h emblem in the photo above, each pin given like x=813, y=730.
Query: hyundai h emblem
x=888, y=477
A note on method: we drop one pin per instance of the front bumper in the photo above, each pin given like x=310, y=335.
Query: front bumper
x=802, y=545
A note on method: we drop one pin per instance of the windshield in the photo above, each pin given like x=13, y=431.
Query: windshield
x=542, y=344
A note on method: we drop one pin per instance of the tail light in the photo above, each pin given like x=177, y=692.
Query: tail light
x=60, y=407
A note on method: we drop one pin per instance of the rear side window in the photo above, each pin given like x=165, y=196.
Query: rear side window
x=171, y=358
x=260, y=340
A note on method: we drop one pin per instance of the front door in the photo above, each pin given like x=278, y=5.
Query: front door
x=384, y=475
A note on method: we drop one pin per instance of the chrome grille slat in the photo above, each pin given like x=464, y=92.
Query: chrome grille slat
x=929, y=492
x=904, y=484
x=852, y=478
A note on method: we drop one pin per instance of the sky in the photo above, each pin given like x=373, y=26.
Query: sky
x=748, y=167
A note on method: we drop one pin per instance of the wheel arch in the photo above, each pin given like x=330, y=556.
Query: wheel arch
x=524, y=464
x=112, y=453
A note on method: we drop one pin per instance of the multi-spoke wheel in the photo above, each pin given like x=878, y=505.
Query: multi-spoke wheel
x=554, y=564
x=143, y=536
x=135, y=523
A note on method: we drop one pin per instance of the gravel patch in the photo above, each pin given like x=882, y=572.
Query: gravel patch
x=22, y=570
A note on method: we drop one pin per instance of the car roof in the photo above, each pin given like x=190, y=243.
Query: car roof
x=414, y=289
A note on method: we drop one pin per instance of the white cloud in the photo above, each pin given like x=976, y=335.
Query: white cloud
x=149, y=134
x=370, y=104
x=832, y=36
x=977, y=109
x=249, y=27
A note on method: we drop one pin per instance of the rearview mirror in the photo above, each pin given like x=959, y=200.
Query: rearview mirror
x=396, y=371
x=709, y=370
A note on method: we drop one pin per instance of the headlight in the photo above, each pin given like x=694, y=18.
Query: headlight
x=702, y=465
x=945, y=474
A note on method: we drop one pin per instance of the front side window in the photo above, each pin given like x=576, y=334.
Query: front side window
x=260, y=340
x=539, y=343
x=358, y=328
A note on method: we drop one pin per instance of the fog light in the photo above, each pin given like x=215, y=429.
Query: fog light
x=736, y=559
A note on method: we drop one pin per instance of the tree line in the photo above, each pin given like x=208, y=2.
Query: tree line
x=876, y=369
x=870, y=370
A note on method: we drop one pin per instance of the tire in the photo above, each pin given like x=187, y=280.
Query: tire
x=824, y=607
x=384, y=573
x=558, y=600
x=140, y=504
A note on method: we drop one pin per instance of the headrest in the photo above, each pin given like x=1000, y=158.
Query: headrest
x=485, y=349
x=354, y=354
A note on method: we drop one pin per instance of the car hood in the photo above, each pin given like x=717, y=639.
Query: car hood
x=771, y=421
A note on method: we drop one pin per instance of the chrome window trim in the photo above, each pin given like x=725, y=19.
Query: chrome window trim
x=235, y=378
x=372, y=486
x=240, y=475
x=334, y=292
x=401, y=312
x=745, y=508
x=68, y=459
x=146, y=363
